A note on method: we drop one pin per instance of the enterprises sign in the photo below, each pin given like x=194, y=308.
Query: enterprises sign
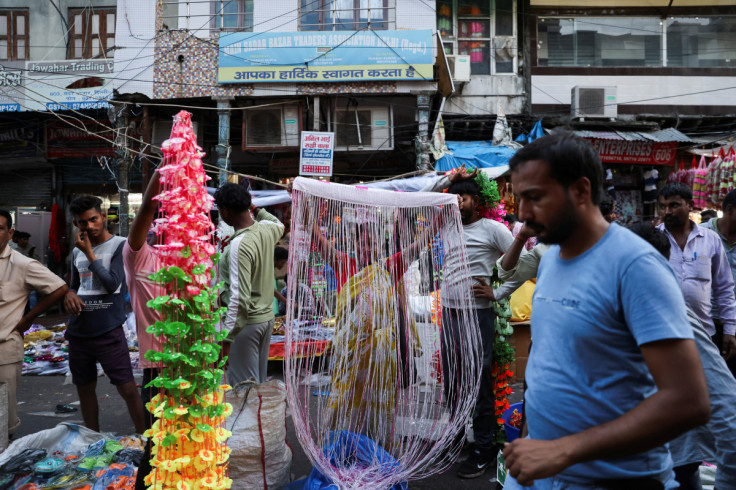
x=247, y=57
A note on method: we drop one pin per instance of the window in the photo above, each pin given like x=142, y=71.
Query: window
x=343, y=15
x=484, y=30
x=92, y=32
x=701, y=42
x=14, y=44
x=232, y=15
x=599, y=41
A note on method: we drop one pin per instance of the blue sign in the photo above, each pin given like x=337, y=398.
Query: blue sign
x=325, y=56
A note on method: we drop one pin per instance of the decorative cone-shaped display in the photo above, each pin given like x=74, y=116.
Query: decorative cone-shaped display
x=189, y=435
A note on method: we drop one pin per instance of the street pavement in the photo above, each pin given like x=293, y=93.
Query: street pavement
x=39, y=395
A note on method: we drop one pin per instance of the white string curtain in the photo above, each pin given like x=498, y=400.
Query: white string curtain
x=390, y=396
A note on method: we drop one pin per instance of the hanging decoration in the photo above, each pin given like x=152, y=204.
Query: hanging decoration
x=189, y=435
x=390, y=402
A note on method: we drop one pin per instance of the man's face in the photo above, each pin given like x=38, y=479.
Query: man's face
x=544, y=204
x=674, y=211
x=22, y=242
x=92, y=222
x=6, y=233
x=279, y=264
x=468, y=207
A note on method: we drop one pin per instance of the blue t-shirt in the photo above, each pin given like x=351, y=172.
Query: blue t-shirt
x=590, y=314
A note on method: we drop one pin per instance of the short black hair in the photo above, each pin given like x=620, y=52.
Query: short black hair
x=709, y=214
x=729, y=200
x=20, y=235
x=233, y=197
x=511, y=218
x=653, y=236
x=606, y=205
x=8, y=218
x=469, y=187
x=280, y=253
x=82, y=204
x=569, y=157
x=676, y=189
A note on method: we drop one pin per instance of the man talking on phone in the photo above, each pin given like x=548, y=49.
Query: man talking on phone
x=96, y=303
x=485, y=241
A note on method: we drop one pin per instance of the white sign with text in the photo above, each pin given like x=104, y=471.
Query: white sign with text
x=316, y=152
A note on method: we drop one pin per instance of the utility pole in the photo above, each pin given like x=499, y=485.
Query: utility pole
x=421, y=142
x=124, y=162
x=223, y=138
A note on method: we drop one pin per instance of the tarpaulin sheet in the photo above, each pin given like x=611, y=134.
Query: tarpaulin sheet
x=474, y=154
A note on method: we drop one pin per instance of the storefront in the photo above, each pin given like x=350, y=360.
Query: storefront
x=636, y=166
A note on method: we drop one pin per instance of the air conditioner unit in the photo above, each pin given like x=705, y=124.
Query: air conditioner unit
x=272, y=127
x=363, y=128
x=459, y=67
x=162, y=132
x=593, y=102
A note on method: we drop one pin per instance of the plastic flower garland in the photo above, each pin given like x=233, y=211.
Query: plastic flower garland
x=188, y=451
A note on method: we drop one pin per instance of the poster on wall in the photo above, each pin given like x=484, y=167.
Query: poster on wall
x=315, y=153
x=334, y=56
x=68, y=84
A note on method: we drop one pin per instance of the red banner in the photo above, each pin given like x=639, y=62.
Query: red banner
x=79, y=139
x=636, y=152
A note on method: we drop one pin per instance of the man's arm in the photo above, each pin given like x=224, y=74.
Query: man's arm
x=245, y=266
x=279, y=296
x=678, y=374
x=446, y=180
x=723, y=294
x=143, y=219
x=43, y=305
x=72, y=303
x=511, y=257
x=112, y=278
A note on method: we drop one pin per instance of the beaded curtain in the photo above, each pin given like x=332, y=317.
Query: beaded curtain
x=374, y=270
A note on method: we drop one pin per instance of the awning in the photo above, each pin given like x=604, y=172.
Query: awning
x=636, y=147
x=474, y=154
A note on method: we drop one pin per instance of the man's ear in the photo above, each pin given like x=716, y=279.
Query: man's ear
x=580, y=191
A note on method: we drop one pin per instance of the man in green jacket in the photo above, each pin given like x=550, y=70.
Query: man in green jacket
x=247, y=271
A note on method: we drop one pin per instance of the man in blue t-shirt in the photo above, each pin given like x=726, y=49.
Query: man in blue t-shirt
x=96, y=302
x=613, y=373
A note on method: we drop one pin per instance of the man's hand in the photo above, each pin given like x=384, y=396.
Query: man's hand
x=23, y=325
x=73, y=304
x=83, y=244
x=525, y=233
x=728, y=350
x=483, y=290
x=460, y=174
x=531, y=459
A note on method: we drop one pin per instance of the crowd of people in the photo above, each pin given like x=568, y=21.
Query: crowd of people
x=630, y=381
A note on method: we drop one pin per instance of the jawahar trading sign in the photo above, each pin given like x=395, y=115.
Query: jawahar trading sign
x=267, y=57
x=315, y=155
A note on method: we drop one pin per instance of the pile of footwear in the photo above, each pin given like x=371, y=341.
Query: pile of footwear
x=107, y=464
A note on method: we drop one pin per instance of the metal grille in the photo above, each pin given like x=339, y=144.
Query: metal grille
x=25, y=188
x=592, y=101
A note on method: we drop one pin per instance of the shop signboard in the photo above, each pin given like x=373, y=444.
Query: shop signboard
x=635, y=152
x=12, y=93
x=334, y=56
x=19, y=141
x=68, y=84
x=82, y=139
x=316, y=152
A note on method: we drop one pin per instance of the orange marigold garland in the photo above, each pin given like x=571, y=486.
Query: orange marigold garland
x=188, y=450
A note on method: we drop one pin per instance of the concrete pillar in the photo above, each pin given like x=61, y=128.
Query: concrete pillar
x=124, y=162
x=421, y=142
x=223, y=138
